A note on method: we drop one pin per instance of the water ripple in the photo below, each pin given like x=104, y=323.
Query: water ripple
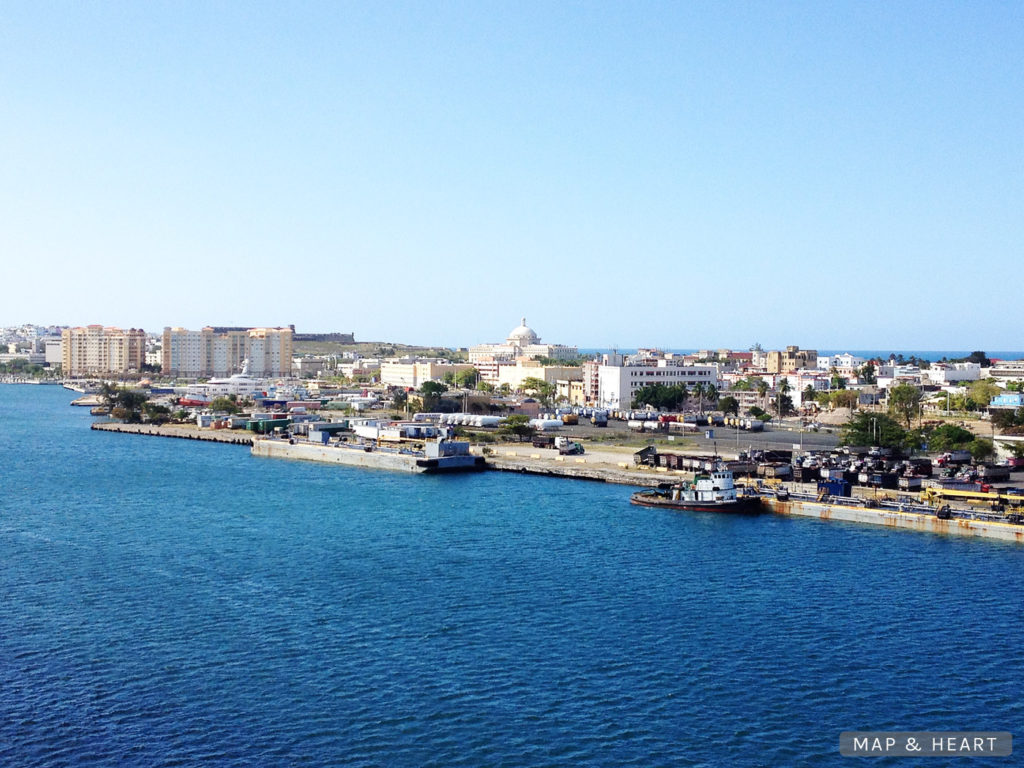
x=179, y=604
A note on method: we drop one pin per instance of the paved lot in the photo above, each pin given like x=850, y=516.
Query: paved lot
x=727, y=441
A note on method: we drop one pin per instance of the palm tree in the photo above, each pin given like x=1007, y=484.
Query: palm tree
x=699, y=390
x=784, y=388
x=762, y=390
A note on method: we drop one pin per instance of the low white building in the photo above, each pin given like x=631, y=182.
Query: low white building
x=1007, y=370
x=949, y=373
x=414, y=374
x=618, y=384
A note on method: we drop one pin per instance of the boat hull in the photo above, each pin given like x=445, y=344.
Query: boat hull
x=745, y=504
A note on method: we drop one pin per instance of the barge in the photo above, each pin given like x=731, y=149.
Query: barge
x=438, y=456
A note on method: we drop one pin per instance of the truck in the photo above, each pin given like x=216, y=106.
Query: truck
x=953, y=457
x=567, y=447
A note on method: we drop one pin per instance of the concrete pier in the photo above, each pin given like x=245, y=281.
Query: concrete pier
x=181, y=431
x=895, y=519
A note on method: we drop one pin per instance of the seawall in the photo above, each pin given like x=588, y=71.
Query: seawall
x=183, y=432
x=575, y=467
x=894, y=519
x=351, y=457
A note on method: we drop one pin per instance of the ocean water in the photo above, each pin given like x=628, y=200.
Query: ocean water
x=171, y=603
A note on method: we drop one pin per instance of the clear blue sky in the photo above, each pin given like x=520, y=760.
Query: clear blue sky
x=680, y=174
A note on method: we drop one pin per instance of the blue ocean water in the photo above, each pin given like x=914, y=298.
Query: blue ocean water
x=171, y=603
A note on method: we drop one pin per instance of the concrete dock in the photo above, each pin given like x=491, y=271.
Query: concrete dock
x=180, y=431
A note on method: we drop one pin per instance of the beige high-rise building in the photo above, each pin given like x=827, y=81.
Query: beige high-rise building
x=99, y=350
x=223, y=351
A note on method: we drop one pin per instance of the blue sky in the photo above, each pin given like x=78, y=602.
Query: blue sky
x=678, y=174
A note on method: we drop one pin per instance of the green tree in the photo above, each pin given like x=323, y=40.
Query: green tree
x=108, y=394
x=783, y=400
x=980, y=394
x=836, y=381
x=467, y=378
x=1006, y=418
x=156, y=413
x=759, y=413
x=729, y=405
x=903, y=401
x=762, y=391
x=948, y=437
x=433, y=388
x=872, y=429
x=542, y=390
x=981, y=449
x=484, y=386
x=660, y=396
x=842, y=398
x=431, y=392
x=517, y=425
x=127, y=404
x=699, y=390
x=867, y=373
x=225, y=404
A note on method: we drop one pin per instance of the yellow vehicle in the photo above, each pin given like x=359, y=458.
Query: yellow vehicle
x=992, y=499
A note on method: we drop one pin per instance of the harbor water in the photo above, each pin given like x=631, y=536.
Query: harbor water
x=177, y=603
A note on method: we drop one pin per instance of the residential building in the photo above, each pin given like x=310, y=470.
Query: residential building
x=515, y=375
x=216, y=351
x=413, y=373
x=98, y=350
x=570, y=391
x=791, y=359
x=1008, y=400
x=1007, y=370
x=53, y=353
x=489, y=367
x=949, y=373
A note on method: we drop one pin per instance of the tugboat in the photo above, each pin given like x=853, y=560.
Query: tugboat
x=714, y=491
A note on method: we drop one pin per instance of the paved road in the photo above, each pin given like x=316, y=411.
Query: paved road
x=725, y=439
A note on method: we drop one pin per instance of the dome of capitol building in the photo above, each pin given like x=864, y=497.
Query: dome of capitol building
x=523, y=335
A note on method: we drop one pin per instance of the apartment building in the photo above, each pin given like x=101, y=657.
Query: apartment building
x=100, y=350
x=791, y=359
x=216, y=351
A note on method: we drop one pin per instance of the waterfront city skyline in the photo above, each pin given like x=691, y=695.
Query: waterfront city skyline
x=840, y=177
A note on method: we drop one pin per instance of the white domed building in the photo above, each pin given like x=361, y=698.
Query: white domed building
x=522, y=342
